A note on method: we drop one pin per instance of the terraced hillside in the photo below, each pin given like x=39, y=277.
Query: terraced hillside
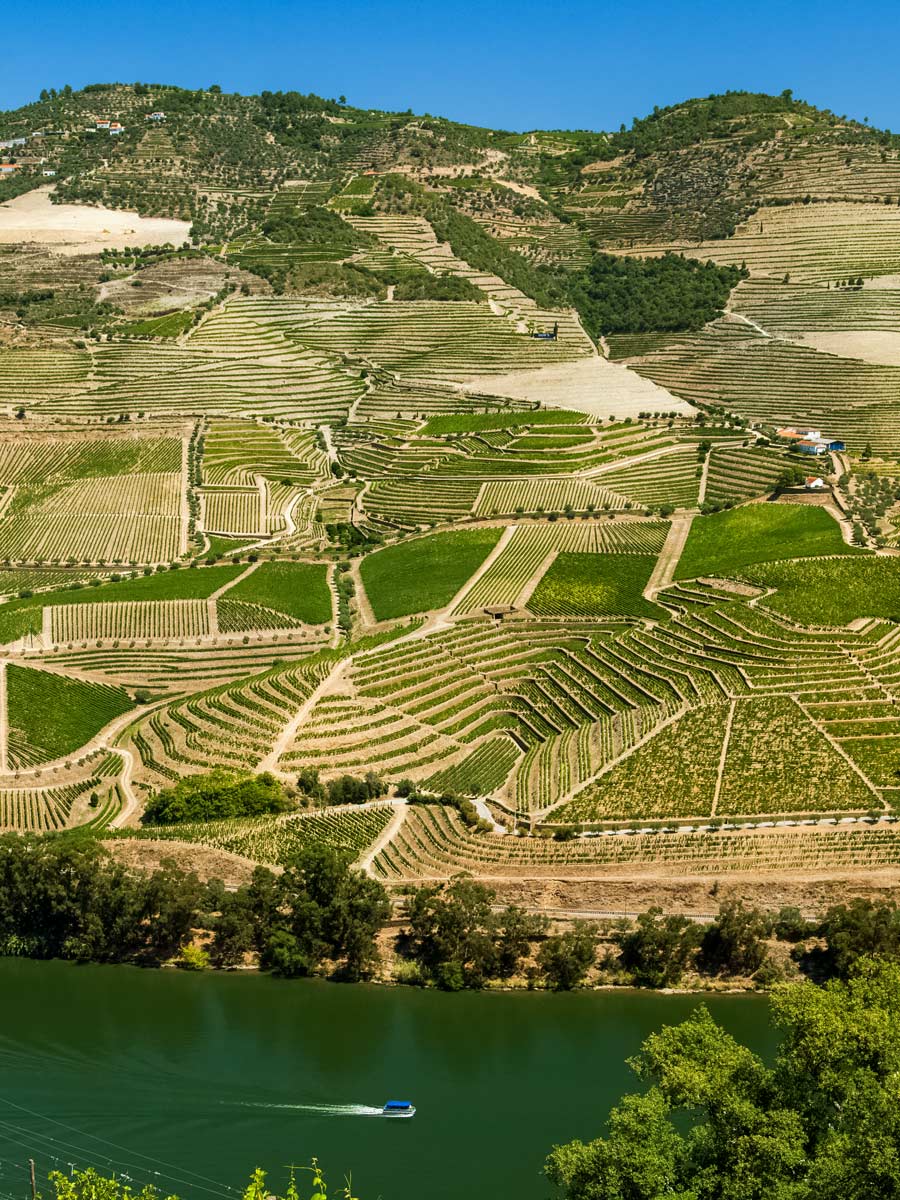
x=433, y=454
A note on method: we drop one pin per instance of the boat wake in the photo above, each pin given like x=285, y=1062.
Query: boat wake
x=328, y=1110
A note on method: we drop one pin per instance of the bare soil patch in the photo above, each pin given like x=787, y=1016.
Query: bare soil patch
x=883, y=283
x=178, y=283
x=699, y=895
x=81, y=229
x=872, y=346
x=142, y=855
x=591, y=385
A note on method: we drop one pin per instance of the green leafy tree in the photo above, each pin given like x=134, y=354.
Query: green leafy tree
x=791, y=477
x=715, y=1123
x=310, y=785
x=459, y=940
x=70, y=898
x=91, y=1185
x=734, y=944
x=659, y=948
x=566, y=958
x=451, y=933
x=515, y=931
x=214, y=796
x=860, y=928
x=319, y=908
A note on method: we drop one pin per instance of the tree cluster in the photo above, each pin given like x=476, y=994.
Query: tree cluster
x=470, y=242
x=216, y=795
x=318, y=909
x=643, y=295
x=68, y=898
x=791, y=477
x=315, y=226
x=421, y=285
x=848, y=933
x=345, y=789
x=658, y=949
x=459, y=939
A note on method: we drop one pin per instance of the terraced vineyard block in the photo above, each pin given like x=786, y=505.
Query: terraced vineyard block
x=425, y=573
x=298, y=589
x=595, y=585
x=51, y=716
x=832, y=591
x=727, y=542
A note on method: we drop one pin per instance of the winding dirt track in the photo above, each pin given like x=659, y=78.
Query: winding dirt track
x=390, y=831
x=284, y=739
x=664, y=571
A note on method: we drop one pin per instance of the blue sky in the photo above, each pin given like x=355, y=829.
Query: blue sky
x=513, y=65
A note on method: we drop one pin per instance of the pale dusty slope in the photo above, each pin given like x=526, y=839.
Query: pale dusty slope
x=878, y=346
x=81, y=229
x=591, y=385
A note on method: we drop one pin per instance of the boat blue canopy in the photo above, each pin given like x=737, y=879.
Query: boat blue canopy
x=398, y=1104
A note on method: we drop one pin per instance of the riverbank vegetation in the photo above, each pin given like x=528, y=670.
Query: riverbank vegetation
x=89, y=1184
x=318, y=909
x=67, y=897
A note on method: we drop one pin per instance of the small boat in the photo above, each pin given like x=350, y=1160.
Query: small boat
x=398, y=1108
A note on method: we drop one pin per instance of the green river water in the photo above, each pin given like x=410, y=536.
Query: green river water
x=202, y=1077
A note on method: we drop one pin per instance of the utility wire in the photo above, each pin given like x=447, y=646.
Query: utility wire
x=8, y=1130
x=116, y=1146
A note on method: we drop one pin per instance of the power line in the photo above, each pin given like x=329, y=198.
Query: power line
x=115, y=1145
x=9, y=1130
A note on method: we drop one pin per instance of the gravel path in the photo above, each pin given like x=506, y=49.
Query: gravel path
x=720, y=773
x=390, y=831
x=667, y=563
x=527, y=591
x=284, y=739
x=617, y=464
x=237, y=579
x=482, y=570
x=131, y=801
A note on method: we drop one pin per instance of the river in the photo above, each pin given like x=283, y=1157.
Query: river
x=190, y=1081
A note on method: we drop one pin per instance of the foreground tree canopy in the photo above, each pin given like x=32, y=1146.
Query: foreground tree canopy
x=716, y=1123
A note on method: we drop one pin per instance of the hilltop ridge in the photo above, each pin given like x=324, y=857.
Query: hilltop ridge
x=693, y=169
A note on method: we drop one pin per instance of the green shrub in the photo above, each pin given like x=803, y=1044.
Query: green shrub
x=219, y=794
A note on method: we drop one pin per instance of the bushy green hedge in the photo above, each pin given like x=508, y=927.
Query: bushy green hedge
x=416, y=286
x=214, y=796
x=314, y=227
